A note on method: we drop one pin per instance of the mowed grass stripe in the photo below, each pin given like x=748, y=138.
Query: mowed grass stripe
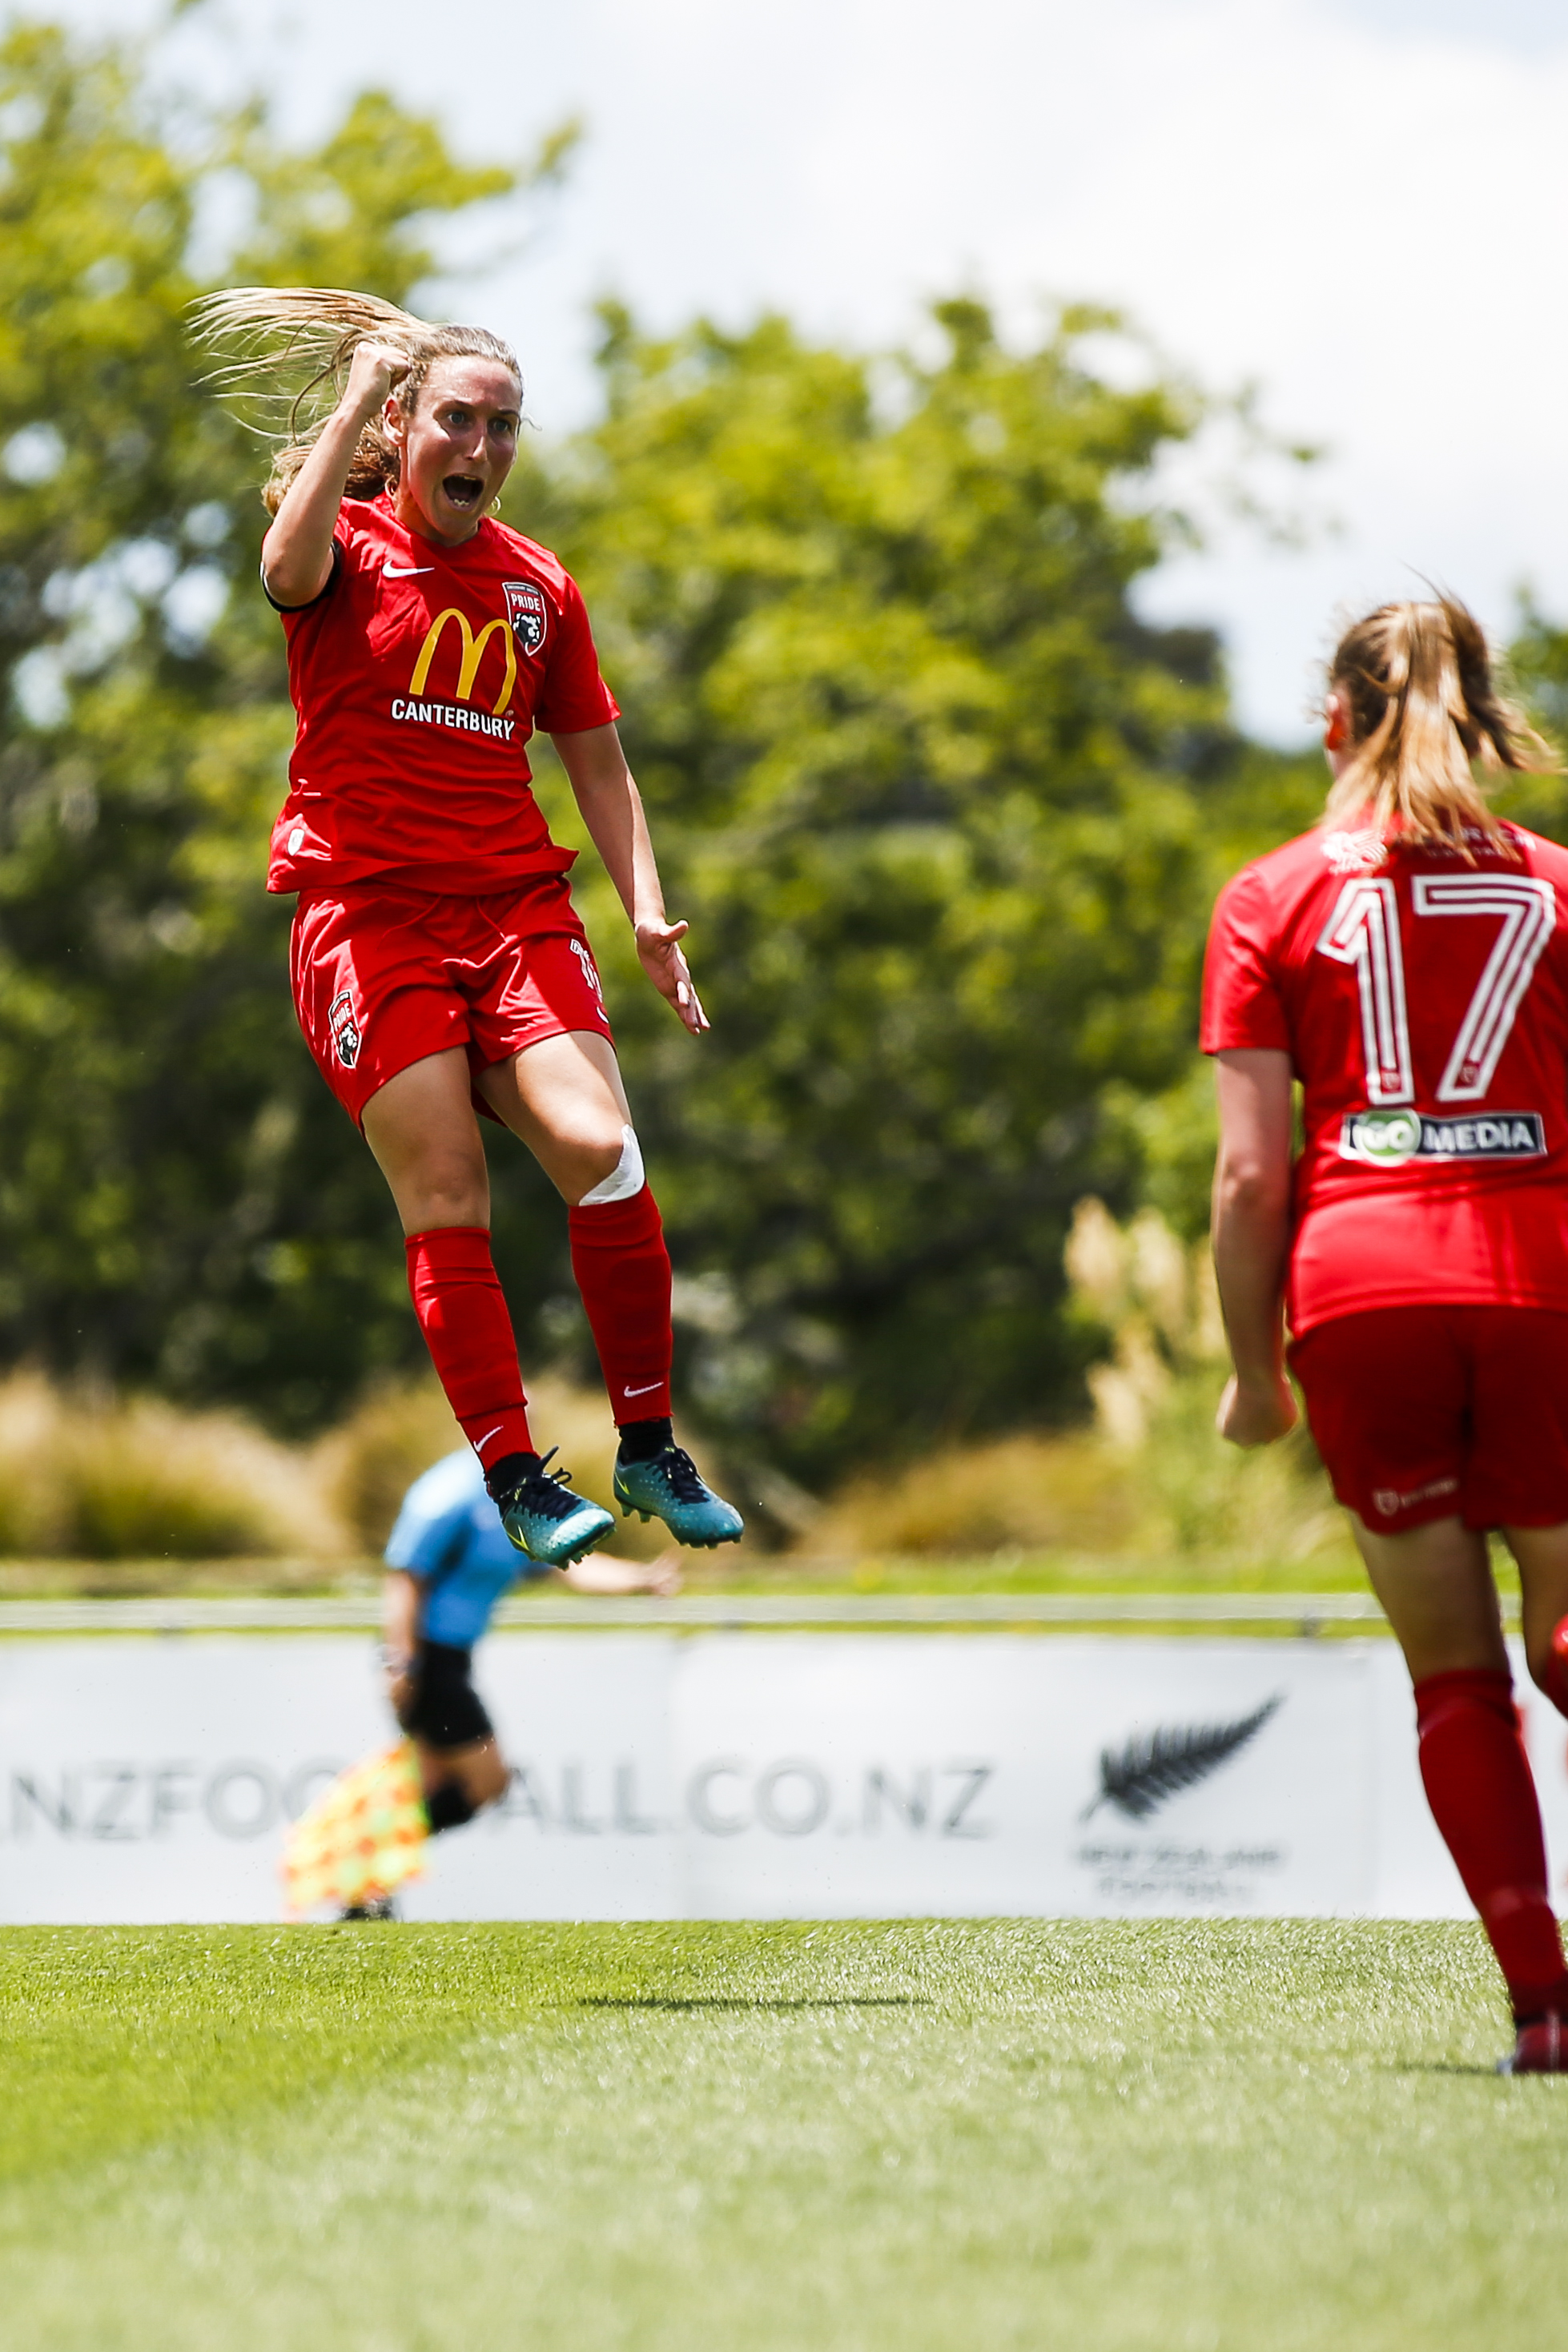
x=113, y=2038
x=1248, y=2135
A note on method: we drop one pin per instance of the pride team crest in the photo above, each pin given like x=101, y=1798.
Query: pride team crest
x=527, y=612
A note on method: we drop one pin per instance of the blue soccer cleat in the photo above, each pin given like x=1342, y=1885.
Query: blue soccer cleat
x=540, y=1514
x=667, y=1486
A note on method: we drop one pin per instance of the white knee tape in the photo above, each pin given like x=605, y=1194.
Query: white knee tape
x=624, y=1177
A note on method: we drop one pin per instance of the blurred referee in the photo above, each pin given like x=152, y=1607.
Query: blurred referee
x=449, y=1563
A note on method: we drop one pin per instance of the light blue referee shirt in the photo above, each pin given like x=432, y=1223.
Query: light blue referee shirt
x=449, y=1534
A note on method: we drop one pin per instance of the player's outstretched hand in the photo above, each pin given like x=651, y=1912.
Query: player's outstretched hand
x=601, y=1572
x=659, y=949
x=1255, y=1412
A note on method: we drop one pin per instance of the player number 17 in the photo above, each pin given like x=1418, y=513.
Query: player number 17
x=1364, y=931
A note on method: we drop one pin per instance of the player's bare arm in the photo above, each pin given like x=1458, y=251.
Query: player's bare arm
x=1251, y=1228
x=297, y=553
x=613, y=812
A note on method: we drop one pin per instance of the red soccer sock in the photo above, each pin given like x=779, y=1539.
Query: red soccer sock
x=622, y=1272
x=1478, y=1785
x=463, y=1314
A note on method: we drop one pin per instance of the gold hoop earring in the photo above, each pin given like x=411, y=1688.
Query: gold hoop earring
x=495, y=505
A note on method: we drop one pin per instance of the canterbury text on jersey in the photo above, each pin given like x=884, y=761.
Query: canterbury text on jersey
x=418, y=675
x=1423, y=1000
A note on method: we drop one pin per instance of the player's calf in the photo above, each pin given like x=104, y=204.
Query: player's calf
x=450, y=1807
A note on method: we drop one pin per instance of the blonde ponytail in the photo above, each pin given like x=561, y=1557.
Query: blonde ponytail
x=1423, y=712
x=272, y=331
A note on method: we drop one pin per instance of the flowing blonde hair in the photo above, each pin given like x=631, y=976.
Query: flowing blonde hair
x=269, y=331
x=1424, y=712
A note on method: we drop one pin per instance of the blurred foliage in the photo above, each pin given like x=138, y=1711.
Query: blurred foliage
x=1537, y=669
x=181, y=1202
x=1148, y=1478
x=144, y=1481
x=947, y=818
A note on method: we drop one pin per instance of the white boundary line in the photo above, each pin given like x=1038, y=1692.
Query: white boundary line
x=1306, y=1611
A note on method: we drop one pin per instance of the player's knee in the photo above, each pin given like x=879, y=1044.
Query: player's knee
x=617, y=1171
x=488, y=1779
x=452, y=1191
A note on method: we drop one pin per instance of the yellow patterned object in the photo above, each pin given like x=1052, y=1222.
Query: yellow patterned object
x=363, y=1836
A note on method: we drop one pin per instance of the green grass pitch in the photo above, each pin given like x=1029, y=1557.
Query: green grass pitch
x=1226, y=2137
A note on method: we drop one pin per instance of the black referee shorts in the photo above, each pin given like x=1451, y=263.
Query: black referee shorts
x=445, y=1709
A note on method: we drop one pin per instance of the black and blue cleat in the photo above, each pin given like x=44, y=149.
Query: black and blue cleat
x=540, y=1514
x=667, y=1486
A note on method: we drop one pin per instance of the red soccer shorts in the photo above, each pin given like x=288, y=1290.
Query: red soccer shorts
x=1432, y=1412
x=383, y=976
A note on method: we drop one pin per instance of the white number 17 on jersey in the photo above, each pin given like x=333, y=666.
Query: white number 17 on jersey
x=1364, y=931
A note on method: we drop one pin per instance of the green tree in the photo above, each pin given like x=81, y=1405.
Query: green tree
x=180, y=1201
x=935, y=801
x=947, y=816
x=1537, y=670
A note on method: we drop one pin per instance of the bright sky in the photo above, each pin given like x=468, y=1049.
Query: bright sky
x=1358, y=206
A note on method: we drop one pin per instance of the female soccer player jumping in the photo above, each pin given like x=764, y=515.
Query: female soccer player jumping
x=1408, y=963
x=438, y=964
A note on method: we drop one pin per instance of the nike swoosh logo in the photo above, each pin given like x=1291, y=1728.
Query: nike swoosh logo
x=405, y=570
x=646, y=1389
x=480, y=1443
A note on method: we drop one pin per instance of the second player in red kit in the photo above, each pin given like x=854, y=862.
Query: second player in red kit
x=439, y=968
x=1407, y=964
x=1425, y=989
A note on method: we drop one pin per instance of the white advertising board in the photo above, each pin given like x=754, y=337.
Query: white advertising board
x=738, y=1776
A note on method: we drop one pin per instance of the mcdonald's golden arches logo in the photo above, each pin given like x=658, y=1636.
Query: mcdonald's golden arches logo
x=471, y=655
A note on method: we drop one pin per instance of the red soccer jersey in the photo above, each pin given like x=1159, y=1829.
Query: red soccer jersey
x=1423, y=1003
x=418, y=675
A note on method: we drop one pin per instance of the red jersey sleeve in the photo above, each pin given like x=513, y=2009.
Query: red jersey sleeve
x=1242, y=1005
x=574, y=696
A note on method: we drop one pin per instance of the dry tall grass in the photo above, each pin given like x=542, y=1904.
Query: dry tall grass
x=142, y=1481
x=1150, y=1478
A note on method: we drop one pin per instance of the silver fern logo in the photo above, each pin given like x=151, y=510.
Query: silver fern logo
x=1157, y=1765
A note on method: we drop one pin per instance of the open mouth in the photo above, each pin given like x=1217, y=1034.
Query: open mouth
x=462, y=491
